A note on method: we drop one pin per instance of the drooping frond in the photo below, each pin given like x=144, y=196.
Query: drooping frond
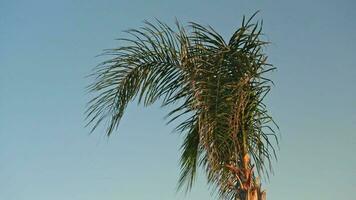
x=147, y=67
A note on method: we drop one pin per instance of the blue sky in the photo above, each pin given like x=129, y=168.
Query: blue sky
x=48, y=47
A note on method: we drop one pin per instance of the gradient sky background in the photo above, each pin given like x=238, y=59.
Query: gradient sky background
x=48, y=47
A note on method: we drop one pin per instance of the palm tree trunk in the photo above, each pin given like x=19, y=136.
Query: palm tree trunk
x=250, y=188
x=254, y=193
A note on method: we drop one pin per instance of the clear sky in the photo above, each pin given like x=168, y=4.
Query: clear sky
x=48, y=47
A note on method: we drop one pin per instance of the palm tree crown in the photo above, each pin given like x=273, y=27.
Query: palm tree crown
x=216, y=87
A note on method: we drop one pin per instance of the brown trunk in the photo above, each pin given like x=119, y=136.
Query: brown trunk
x=256, y=194
x=250, y=188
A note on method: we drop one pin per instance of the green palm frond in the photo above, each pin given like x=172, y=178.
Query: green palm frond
x=217, y=89
x=146, y=68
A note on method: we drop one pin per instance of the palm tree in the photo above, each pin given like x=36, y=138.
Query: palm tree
x=217, y=89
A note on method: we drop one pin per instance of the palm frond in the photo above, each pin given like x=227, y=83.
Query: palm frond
x=148, y=67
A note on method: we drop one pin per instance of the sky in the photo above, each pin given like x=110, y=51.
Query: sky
x=48, y=47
